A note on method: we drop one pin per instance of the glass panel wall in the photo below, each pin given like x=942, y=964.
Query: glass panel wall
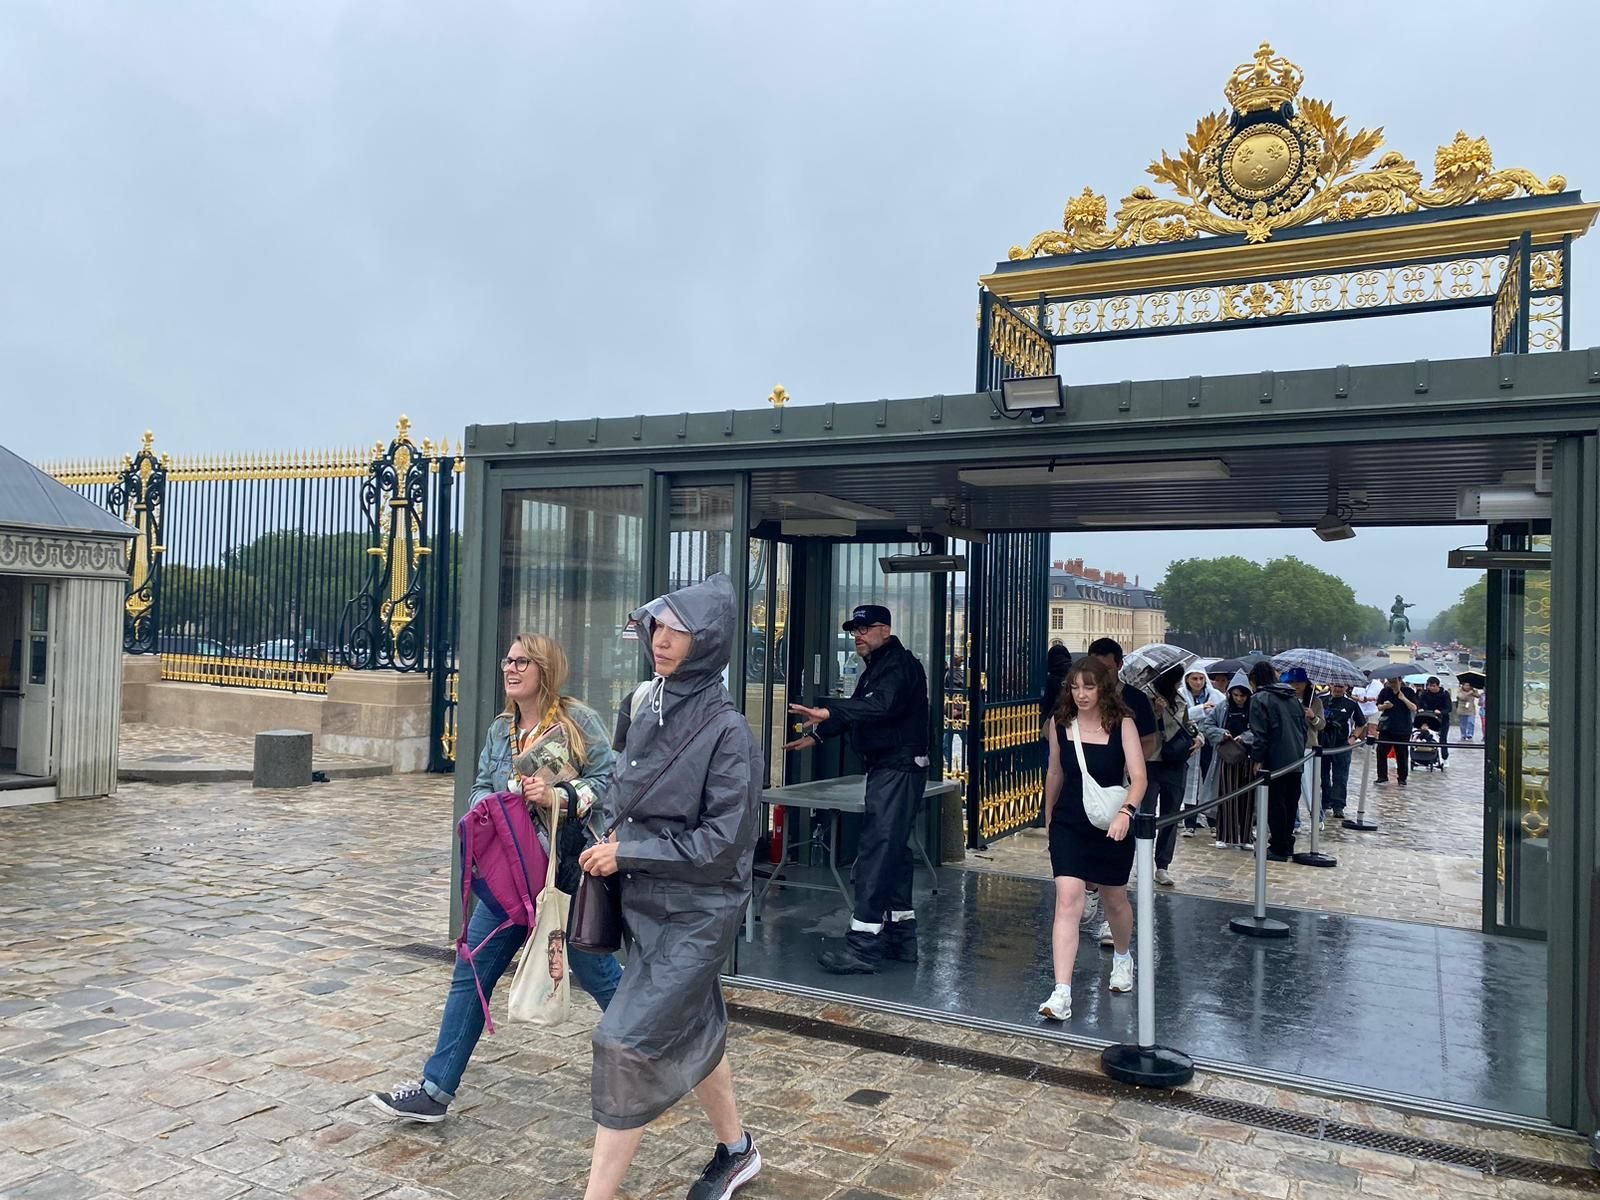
x=572, y=567
x=767, y=651
x=1522, y=741
x=858, y=579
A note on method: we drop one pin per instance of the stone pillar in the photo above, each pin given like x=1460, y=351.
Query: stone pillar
x=139, y=672
x=381, y=715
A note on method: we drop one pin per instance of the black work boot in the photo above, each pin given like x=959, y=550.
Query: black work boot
x=859, y=956
x=899, y=941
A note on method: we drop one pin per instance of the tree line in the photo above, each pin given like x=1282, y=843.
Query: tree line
x=1229, y=605
x=1467, y=620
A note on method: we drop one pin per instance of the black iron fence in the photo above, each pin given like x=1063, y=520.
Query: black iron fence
x=278, y=571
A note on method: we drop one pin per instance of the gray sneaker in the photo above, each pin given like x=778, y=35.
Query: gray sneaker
x=1092, y=912
x=410, y=1102
x=1103, y=936
x=726, y=1173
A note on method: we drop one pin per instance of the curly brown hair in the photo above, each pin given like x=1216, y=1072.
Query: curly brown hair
x=1111, y=707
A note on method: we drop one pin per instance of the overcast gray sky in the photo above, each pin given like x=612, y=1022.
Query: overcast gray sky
x=278, y=225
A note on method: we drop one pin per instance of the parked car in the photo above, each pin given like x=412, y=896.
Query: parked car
x=183, y=643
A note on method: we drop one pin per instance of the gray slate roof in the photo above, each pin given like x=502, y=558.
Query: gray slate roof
x=31, y=500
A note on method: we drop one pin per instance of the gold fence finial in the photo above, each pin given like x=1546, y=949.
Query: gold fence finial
x=779, y=396
x=149, y=442
x=402, y=428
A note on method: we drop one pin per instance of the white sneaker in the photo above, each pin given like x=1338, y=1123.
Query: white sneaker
x=1103, y=935
x=1122, y=974
x=1187, y=832
x=1059, y=1006
x=1092, y=915
x=1223, y=845
x=1164, y=879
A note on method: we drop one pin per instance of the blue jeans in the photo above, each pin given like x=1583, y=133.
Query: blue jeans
x=1335, y=781
x=1469, y=726
x=462, y=1023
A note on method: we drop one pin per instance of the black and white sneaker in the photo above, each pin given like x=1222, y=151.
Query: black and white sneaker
x=727, y=1172
x=410, y=1102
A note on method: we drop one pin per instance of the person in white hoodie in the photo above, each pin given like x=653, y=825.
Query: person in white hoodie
x=1200, y=783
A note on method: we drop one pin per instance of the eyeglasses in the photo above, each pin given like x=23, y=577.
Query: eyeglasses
x=520, y=664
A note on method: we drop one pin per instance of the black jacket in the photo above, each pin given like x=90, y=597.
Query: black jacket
x=1278, y=723
x=1344, y=718
x=1438, y=704
x=887, y=716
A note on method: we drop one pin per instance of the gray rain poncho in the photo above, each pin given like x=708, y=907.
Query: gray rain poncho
x=684, y=855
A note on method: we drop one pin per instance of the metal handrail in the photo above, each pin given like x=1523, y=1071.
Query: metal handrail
x=1172, y=819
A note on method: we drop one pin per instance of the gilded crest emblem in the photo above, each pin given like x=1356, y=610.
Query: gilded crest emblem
x=1273, y=160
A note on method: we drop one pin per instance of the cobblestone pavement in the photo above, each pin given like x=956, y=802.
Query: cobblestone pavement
x=200, y=983
x=1423, y=863
x=169, y=750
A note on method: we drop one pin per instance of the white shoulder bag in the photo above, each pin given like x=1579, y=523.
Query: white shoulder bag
x=1100, y=803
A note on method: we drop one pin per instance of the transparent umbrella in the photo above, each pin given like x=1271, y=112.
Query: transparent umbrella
x=1142, y=666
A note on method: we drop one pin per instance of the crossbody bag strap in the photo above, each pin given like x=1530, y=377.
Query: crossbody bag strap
x=555, y=826
x=634, y=803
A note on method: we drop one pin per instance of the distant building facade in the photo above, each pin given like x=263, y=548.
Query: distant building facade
x=1087, y=603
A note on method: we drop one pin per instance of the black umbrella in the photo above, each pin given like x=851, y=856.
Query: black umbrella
x=1228, y=666
x=1394, y=670
x=1476, y=678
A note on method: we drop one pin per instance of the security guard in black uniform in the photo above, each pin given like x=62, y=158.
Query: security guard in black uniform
x=887, y=722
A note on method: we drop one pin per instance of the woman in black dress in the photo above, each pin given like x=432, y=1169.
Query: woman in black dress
x=1091, y=708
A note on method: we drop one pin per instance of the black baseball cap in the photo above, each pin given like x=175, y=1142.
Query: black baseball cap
x=867, y=614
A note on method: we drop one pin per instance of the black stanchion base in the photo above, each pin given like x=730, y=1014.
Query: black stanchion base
x=1357, y=823
x=1263, y=927
x=1307, y=859
x=1149, y=1066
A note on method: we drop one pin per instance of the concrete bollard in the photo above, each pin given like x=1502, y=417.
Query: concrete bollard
x=283, y=759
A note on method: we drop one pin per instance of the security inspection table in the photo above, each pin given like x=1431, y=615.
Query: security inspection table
x=846, y=794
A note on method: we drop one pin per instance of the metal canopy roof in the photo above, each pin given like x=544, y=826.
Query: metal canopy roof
x=1399, y=482
x=32, y=501
x=1408, y=435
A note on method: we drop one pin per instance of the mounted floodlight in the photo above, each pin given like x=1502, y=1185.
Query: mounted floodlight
x=1034, y=395
x=1490, y=504
x=922, y=564
x=1476, y=558
x=1334, y=528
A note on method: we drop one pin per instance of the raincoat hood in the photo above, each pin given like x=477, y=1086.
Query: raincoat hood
x=1240, y=680
x=706, y=610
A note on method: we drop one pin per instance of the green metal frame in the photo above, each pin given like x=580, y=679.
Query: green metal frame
x=1554, y=395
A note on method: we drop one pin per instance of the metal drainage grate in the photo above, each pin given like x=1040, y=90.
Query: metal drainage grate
x=423, y=950
x=1489, y=1162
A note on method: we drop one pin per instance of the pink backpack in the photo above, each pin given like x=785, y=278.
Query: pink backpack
x=503, y=866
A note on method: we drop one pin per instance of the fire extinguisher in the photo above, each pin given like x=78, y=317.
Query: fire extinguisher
x=775, y=843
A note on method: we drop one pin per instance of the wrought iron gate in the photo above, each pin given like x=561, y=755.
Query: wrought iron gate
x=1007, y=614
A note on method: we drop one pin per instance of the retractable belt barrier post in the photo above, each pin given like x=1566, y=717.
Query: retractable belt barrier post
x=1315, y=858
x=1360, y=822
x=1147, y=1064
x=1258, y=924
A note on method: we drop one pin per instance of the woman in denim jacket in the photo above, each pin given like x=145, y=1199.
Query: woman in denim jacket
x=534, y=671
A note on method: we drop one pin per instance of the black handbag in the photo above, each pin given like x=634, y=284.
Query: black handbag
x=572, y=839
x=594, y=923
x=1175, y=751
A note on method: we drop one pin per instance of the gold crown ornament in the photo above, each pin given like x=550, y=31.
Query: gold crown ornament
x=1269, y=82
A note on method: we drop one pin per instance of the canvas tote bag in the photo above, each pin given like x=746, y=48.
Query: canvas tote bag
x=541, y=992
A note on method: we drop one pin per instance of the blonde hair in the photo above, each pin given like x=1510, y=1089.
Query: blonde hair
x=548, y=702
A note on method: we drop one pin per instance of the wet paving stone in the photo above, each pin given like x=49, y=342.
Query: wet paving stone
x=255, y=995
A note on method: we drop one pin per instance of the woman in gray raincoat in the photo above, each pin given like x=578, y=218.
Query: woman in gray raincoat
x=684, y=851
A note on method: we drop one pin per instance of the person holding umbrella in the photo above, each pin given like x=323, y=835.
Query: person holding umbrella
x=1466, y=710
